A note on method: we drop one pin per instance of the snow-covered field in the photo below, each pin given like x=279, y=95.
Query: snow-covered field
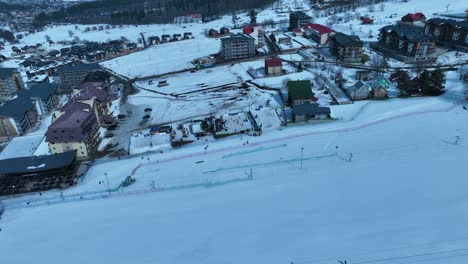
x=163, y=58
x=386, y=182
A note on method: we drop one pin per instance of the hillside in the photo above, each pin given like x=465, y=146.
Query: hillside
x=144, y=11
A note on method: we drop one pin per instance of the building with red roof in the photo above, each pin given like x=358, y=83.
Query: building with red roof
x=273, y=66
x=318, y=33
x=256, y=32
x=416, y=17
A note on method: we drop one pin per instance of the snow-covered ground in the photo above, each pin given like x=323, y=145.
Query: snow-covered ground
x=395, y=9
x=386, y=184
x=163, y=58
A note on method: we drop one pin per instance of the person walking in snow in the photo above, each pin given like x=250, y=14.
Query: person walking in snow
x=206, y=147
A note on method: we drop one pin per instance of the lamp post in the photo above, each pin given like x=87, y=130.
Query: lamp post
x=302, y=155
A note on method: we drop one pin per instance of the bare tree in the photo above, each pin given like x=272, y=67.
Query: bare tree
x=48, y=39
x=71, y=33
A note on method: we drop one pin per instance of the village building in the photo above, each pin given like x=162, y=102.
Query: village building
x=74, y=127
x=37, y=173
x=44, y=95
x=71, y=76
x=154, y=40
x=449, y=33
x=379, y=86
x=256, y=32
x=17, y=117
x=224, y=31
x=407, y=43
x=273, y=66
x=300, y=92
x=97, y=96
x=413, y=18
x=309, y=111
x=10, y=83
x=358, y=91
x=188, y=18
x=213, y=33
x=237, y=46
x=318, y=33
x=346, y=47
x=298, y=19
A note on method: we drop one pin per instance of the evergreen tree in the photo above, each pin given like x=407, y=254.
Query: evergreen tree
x=404, y=82
x=234, y=18
x=253, y=17
x=426, y=82
x=438, y=80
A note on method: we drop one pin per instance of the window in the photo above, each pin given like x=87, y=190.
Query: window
x=410, y=47
x=437, y=32
x=401, y=43
x=456, y=35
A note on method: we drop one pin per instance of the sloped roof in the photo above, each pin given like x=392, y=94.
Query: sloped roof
x=310, y=109
x=415, y=16
x=42, y=91
x=408, y=32
x=273, y=62
x=451, y=22
x=248, y=29
x=16, y=108
x=321, y=29
x=358, y=85
x=346, y=40
x=35, y=164
x=298, y=90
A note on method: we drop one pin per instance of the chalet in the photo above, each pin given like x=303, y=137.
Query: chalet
x=300, y=92
x=213, y=33
x=273, y=66
x=346, y=47
x=449, y=33
x=176, y=37
x=407, y=43
x=154, y=40
x=131, y=46
x=44, y=95
x=366, y=20
x=17, y=117
x=224, y=31
x=379, y=86
x=256, y=32
x=74, y=127
x=165, y=38
x=298, y=19
x=358, y=91
x=309, y=111
x=318, y=33
x=412, y=18
x=188, y=35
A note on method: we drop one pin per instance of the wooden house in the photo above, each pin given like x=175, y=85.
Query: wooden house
x=346, y=47
x=358, y=91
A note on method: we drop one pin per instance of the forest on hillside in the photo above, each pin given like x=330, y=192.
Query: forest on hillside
x=144, y=11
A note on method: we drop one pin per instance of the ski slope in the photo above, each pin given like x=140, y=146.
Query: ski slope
x=384, y=185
